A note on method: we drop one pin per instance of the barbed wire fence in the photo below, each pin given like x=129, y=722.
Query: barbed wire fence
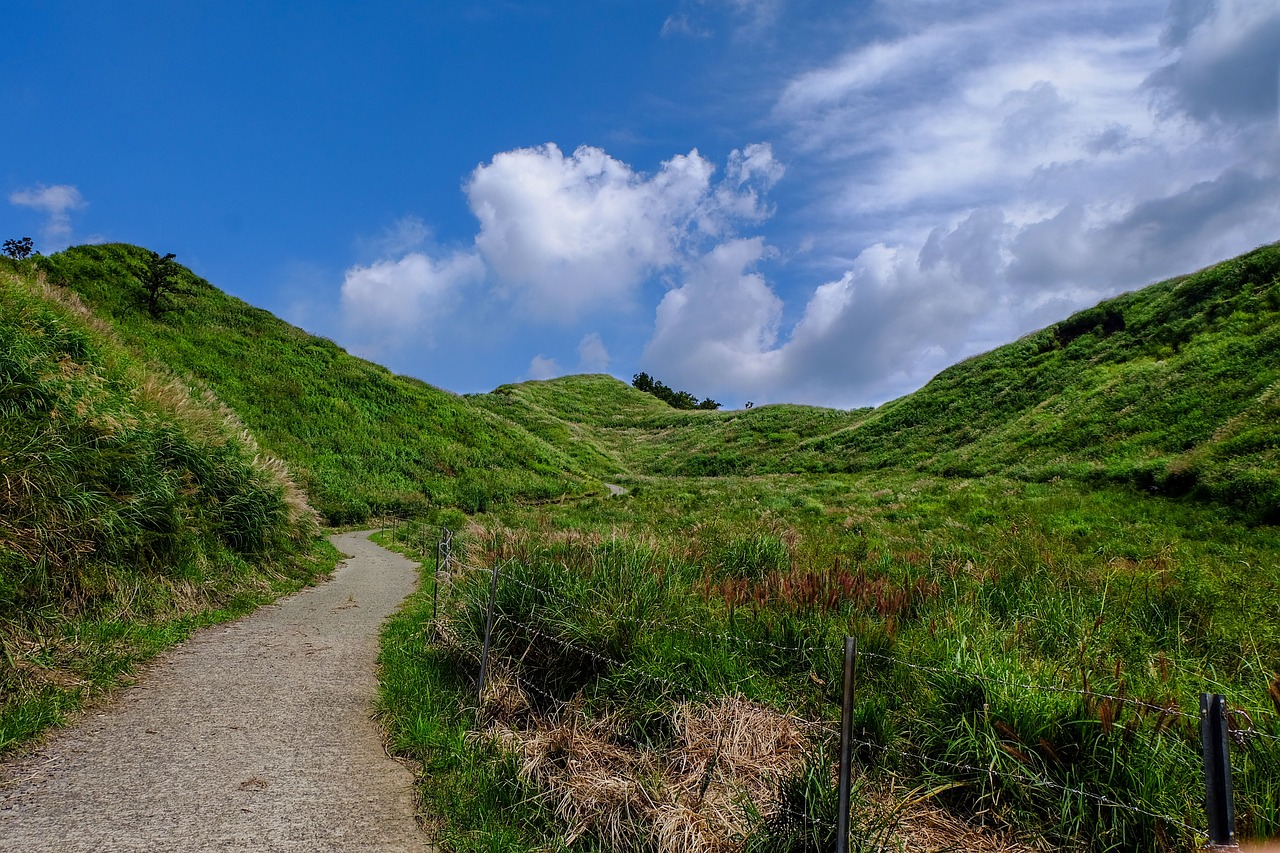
x=1219, y=724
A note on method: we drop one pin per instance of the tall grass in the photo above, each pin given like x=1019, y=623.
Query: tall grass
x=361, y=441
x=129, y=511
x=1031, y=654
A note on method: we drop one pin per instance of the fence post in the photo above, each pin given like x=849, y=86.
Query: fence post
x=846, y=746
x=488, y=633
x=435, y=578
x=1218, y=805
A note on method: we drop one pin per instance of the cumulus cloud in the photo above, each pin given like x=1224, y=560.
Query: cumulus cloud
x=717, y=329
x=541, y=367
x=987, y=179
x=593, y=355
x=56, y=202
x=391, y=302
x=563, y=235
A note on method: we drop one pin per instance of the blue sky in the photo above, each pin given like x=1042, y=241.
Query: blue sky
x=766, y=200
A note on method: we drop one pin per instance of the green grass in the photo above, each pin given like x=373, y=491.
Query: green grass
x=695, y=589
x=1036, y=552
x=1174, y=389
x=362, y=441
x=471, y=797
x=130, y=512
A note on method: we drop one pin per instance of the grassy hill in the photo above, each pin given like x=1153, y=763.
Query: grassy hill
x=1170, y=388
x=361, y=440
x=131, y=511
x=1035, y=619
x=1174, y=389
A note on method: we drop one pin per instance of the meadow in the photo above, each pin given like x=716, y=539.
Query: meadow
x=1045, y=556
x=1031, y=656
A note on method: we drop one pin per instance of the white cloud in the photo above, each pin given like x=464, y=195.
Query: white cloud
x=593, y=355
x=1001, y=165
x=718, y=328
x=541, y=367
x=390, y=302
x=565, y=235
x=56, y=202
x=680, y=24
x=404, y=235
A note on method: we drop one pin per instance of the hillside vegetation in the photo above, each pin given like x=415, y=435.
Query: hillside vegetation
x=1045, y=556
x=131, y=511
x=1174, y=389
x=361, y=440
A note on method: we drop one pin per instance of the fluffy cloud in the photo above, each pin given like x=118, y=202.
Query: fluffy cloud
x=987, y=179
x=56, y=202
x=593, y=355
x=391, y=302
x=718, y=328
x=541, y=367
x=563, y=235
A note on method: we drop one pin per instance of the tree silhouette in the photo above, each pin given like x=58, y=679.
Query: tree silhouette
x=161, y=279
x=19, y=249
x=676, y=399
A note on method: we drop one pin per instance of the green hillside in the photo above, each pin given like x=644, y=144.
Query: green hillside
x=1035, y=619
x=1174, y=388
x=1170, y=388
x=130, y=510
x=625, y=431
x=361, y=440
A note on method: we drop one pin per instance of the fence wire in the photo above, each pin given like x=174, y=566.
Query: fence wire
x=452, y=567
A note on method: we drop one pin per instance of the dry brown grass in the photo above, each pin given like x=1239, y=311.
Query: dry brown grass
x=698, y=795
x=689, y=798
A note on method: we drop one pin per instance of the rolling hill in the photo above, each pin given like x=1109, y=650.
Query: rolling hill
x=361, y=440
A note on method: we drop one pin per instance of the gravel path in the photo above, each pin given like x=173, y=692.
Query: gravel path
x=255, y=735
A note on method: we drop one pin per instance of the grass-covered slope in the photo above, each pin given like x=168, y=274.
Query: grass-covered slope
x=1172, y=388
x=613, y=428
x=130, y=511
x=360, y=439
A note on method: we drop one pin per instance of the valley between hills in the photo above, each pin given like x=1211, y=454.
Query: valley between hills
x=1045, y=556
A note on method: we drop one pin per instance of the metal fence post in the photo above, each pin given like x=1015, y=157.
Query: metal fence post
x=1218, y=805
x=488, y=633
x=846, y=746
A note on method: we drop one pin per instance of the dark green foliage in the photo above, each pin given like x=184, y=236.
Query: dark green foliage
x=19, y=249
x=161, y=279
x=675, y=399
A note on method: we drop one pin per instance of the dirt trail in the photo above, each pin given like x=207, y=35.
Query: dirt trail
x=255, y=735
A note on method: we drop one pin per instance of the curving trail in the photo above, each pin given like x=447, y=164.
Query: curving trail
x=255, y=735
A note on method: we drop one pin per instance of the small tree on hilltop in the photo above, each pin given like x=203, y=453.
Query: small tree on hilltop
x=20, y=249
x=161, y=278
x=676, y=399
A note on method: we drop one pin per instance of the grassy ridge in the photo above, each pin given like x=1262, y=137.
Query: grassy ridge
x=361, y=440
x=130, y=511
x=1033, y=625
x=1173, y=389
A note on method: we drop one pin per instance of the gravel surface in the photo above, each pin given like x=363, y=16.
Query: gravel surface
x=254, y=735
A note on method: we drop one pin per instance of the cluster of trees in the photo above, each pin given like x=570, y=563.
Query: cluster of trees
x=675, y=399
